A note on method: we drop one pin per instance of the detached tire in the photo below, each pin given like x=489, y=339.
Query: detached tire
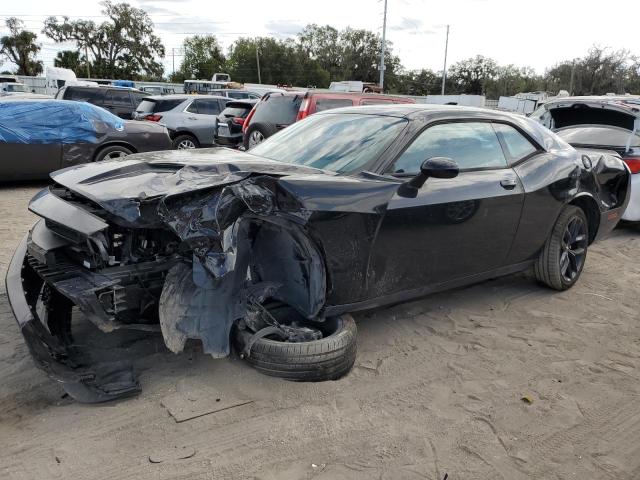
x=562, y=259
x=329, y=358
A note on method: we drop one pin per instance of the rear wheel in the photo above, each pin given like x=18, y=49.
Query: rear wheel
x=185, y=142
x=257, y=134
x=327, y=358
x=113, y=152
x=562, y=259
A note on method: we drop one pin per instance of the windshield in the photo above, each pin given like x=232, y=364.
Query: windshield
x=338, y=142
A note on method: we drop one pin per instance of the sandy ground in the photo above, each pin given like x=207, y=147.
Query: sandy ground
x=436, y=390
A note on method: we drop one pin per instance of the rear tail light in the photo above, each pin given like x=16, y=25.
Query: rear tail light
x=153, y=118
x=304, y=110
x=633, y=163
x=238, y=120
x=245, y=125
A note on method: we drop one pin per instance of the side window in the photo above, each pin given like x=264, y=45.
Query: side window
x=193, y=107
x=323, y=104
x=118, y=97
x=516, y=145
x=91, y=95
x=208, y=107
x=138, y=97
x=470, y=144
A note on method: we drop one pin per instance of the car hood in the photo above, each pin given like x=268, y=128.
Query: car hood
x=121, y=187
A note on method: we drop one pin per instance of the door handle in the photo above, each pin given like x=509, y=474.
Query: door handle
x=508, y=183
x=192, y=118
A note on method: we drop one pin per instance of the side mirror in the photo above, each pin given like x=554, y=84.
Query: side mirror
x=435, y=167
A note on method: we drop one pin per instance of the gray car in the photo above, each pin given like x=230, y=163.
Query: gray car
x=39, y=136
x=190, y=119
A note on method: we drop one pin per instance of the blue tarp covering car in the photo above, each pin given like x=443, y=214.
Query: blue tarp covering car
x=54, y=121
x=39, y=136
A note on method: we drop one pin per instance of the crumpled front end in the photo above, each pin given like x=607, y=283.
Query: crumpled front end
x=187, y=264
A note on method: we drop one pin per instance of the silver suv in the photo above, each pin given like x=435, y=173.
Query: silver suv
x=190, y=119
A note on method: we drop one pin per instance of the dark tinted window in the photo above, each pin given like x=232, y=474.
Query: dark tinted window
x=138, y=97
x=515, y=143
x=207, y=107
x=236, y=111
x=278, y=109
x=329, y=103
x=238, y=94
x=153, y=106
x=336, y=142
x=91, y=95
x=118, y=97
x=471, y=145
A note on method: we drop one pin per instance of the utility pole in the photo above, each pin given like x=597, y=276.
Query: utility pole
x=173, y=58
x=384, y=45
x=86, y=56
x=444, y=69
x=573, y=71
x=258, y=63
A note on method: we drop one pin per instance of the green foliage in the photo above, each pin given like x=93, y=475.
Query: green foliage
x=72, y=60
x=124, y=46
x=600, y=71
x=20, y=47
x=202, y=58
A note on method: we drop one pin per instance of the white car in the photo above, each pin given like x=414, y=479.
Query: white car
x=609, y=123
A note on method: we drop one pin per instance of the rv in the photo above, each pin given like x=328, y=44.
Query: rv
x=56, y=78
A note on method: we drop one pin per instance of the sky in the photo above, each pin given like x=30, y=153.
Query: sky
x=536, y=34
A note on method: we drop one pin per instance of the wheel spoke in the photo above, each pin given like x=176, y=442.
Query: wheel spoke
x=573, y=264
x=564, y=263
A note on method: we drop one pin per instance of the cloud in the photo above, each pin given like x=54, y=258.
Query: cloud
x=283, y=28
x=153, y=10
x=412, y=26
x=188, y=25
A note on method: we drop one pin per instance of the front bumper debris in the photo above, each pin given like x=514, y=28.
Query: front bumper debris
x=86, y=383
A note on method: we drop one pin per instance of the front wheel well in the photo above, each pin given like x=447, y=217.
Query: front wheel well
x=590, y=208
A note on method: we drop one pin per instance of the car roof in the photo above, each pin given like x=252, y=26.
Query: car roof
x=416, y=109
x=182, y=96
x=426, y=113
x=320, y=92
x=116, y=87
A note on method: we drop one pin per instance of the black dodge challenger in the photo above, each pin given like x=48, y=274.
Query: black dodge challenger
x=267, y=251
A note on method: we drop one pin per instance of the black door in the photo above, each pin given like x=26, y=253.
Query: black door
x=453, y=228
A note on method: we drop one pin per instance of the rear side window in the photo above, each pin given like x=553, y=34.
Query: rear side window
x=278, y=109
x=472, y=145
x=118, y=97
x=91, y=95
x=323, y=104
x=206, y=107
x=153, y=106
x=516, y=145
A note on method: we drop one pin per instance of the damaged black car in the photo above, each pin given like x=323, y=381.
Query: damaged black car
x=268, y=251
